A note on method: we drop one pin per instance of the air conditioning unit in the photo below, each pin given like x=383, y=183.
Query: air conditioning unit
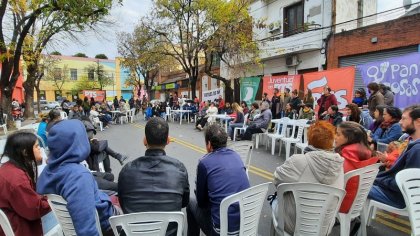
x=292, y=60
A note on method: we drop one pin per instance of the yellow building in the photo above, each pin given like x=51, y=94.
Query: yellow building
x=69, y=76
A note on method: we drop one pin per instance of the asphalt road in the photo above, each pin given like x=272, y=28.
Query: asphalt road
x=187, y=145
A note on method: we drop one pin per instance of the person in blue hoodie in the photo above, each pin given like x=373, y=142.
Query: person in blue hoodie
x=65, y=176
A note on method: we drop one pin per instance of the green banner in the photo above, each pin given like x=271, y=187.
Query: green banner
x=249, y=88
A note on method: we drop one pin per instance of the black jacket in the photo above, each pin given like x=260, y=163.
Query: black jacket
x=154, y=182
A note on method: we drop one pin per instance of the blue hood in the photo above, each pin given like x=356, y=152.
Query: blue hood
x=65, y=176
x=68, y=143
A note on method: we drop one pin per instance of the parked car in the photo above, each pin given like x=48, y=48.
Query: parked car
x=45, y=105
x=54, y=105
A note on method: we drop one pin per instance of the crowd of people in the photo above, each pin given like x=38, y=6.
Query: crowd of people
x=338, y=142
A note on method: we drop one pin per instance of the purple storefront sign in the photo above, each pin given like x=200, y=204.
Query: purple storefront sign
x=402, y=74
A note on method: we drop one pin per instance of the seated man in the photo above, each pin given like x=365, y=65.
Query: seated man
x=75, y=113
x=65, y=176
x=220, y=173
x=260, y=123
x=332, y=115
x=385, y=187
x=155, y=181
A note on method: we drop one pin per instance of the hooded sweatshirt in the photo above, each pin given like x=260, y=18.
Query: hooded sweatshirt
x=355, y=156
x=65, y=176
x=313, y=167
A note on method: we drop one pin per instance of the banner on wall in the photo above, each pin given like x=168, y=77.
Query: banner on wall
x=212, y=95
x=400, y=73
x=249, y=88
x=98, y=95
x=341, y=82
x=270, y=82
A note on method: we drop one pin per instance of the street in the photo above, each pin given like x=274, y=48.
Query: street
x=187, y=145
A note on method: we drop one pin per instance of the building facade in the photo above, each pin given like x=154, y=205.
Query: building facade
x=68, y=76
x=387, y=38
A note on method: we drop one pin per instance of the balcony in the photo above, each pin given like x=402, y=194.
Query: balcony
x=306, y=39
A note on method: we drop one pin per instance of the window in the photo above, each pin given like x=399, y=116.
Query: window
x=73, y=74
x=91, y=74
x=293, y=19
x=58, y=95
x=57, y=74
x=42, y=95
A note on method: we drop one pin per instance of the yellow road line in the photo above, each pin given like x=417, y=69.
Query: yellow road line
x=252, y=169
x=393, y=218
x=392, y=225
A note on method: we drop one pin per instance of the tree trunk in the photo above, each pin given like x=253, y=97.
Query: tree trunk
x=228, y=91
x=193, y=87
x=6, y=104
x=29, y=98
x=38, y=106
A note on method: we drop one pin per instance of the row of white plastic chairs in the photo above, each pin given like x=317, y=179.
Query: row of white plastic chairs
x=287, y=131
x=312, y=204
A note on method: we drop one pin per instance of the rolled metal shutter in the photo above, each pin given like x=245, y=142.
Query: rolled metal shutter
x=370, y=57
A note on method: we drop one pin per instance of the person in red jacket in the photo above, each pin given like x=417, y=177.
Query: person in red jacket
x=351, y=143
x=18, y=199
x=326, y=100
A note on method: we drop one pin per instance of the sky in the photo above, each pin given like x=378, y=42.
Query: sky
x=125, y=16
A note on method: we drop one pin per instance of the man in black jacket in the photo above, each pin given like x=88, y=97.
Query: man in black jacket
x=155, y=181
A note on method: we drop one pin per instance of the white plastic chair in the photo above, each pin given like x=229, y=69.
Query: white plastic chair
x=5, y=224
x=244, y=149
x=250, y=201
x=124, y=118
x=281, y=128
x=147, y=223
x=289, y=140
x=408, y=182
x=130, y=115
x=63, y=115
x=259, y=136
x=4, y=126
x=97, y=121
x=367, y=176
x=59, y=207
x=243, y=128
x=304, y=144
x=168, y=114
x=316, y=207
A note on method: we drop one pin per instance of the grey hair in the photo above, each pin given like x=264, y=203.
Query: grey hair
x=264, y=105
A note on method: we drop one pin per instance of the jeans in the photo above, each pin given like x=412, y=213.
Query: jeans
x=250, y=131
x=231, y=128
x=198, y=218
x=377, y=194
